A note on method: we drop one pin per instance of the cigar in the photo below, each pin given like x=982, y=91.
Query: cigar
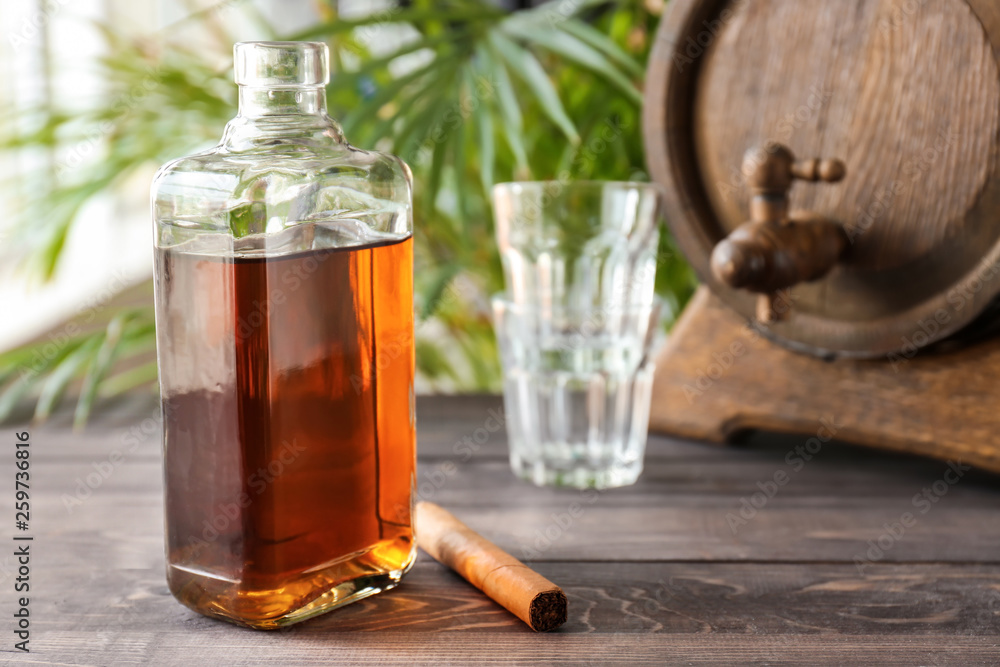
x=506, y=580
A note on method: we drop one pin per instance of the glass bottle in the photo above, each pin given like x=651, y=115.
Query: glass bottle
x=284, y=316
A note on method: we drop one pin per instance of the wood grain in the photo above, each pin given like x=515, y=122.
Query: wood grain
x=653, y=572
x=941, y=405
x=907, y=94
x=131, y=616
x=878, y=91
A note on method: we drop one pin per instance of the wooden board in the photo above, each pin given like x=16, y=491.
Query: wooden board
x=654, y=573
x=718, y=377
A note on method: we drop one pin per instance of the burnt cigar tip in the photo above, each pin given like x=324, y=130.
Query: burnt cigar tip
x=548, y=610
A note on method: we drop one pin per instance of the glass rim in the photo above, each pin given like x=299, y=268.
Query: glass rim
x=281, y=64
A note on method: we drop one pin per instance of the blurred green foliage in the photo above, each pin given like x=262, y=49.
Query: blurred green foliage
x=467, y=94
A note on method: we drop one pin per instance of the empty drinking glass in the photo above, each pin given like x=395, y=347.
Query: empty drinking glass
x=576, y=390
x=576, y=326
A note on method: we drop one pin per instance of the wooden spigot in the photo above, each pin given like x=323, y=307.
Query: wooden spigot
x=773, y=252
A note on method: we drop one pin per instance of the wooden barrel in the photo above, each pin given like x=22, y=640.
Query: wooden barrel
x=896, y=103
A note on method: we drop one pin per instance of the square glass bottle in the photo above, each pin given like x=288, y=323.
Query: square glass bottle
x=284, y=314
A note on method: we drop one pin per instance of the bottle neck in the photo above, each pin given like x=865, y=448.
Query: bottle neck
x=271, y=115
x=259, y=102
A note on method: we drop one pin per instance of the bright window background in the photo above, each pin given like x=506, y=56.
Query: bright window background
x=49, y=50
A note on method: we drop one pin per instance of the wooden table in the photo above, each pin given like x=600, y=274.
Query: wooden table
x=654, y=573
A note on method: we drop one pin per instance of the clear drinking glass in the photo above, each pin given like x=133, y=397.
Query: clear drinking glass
x=576, y=327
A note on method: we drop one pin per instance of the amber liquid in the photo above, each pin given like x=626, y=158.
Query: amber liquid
x=289, y=438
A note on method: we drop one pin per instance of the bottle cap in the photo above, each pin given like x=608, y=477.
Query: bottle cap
x=281, y=64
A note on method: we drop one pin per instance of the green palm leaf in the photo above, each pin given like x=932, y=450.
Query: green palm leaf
x=59, y=380
x=575, y=50
x=553, y=80
x=527, y=67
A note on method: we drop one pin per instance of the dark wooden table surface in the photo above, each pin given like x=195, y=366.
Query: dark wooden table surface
x=655, y=573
